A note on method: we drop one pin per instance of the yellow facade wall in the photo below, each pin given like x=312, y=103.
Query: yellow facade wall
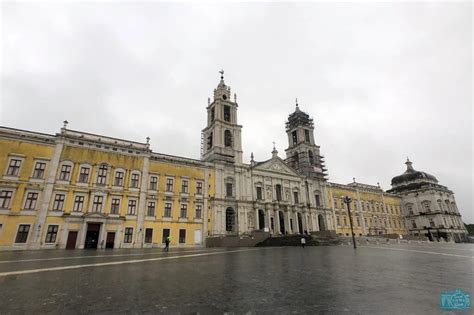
x=373, y=211
x=177, y=168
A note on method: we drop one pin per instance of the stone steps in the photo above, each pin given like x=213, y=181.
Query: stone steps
x=295, y=240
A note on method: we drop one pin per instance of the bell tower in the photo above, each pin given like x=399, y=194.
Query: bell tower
x=221, y=139
x=302, y=153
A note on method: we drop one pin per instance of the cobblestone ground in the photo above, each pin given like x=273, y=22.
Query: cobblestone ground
x=374, y=279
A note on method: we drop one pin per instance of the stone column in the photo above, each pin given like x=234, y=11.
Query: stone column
x=257, y=219
x=142, y=202
x=277, y=223
x=37, y=232
x=205, y=207
x=304, y=218
x=82, y=235
x=361, y=213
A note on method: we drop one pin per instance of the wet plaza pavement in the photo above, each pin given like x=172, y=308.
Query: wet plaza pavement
x=374, y=279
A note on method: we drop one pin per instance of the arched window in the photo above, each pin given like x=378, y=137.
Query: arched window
x=209, y=141
x=229, y=219
x=440, y=204
x=227, y=138
x=448, y=205
x=311, y=158
x=426, y=206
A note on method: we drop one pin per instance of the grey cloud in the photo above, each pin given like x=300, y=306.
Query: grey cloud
x=382, y=80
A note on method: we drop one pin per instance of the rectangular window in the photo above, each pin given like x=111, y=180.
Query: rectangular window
x=132, y=207
x=345, y=221
x=306, y=135
x=335, y=203
x=318, y=201
x=166, y=234
x=296, y=197
x=22, y=234
x=102, y=175
x=30, y=202
x=135, y=180
x=118, y=180
x=182, y=236
x=167, y=212
x=84, y=175
x=198, y=188
x=338, y=221
x=184, y=211
x=115, y=206
x=153, y=183
x=226, y=112
x=78, y=204
x=39, y=170
x=228, y=189
x=184, y=186
x=169, y=184
x=58, y=203
x=413, y=224
x=51, y=234
x=65, y=172
x=97, y=203
x=14, y=167
x=432, y=224
x=259, y=193
x=128, y=236
x=151, y=209
x=198, y=212
x=148, y=236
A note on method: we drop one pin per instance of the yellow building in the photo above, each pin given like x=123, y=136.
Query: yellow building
x=373, y=211
x=80, y=190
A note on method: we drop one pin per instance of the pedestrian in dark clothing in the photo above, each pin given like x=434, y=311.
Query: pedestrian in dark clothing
x=167, y=245
x=303, y=242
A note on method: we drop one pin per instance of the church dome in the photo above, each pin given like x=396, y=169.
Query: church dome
x=412, y=175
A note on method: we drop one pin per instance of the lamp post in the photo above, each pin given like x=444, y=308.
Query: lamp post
x=348, y=200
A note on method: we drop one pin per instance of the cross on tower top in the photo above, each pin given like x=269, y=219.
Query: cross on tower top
x=222, y=74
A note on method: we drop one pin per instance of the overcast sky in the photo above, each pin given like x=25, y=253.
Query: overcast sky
x=382, y=81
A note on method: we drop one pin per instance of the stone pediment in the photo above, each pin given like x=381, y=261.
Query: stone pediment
x=276, y=165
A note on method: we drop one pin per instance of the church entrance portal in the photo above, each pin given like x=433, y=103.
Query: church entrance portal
x=92, y=235
x=322, y=227
x=300, y=223
x=281, y=216
x=261, y=219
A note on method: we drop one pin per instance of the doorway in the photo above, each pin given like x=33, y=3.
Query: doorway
x=300, y=224
x=71, y=240
x=322, y=227
x=109, y=243
x=92, y=235
x=261, y=219
x=281, y=216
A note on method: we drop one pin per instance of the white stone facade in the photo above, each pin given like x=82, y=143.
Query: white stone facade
x=268, y=195
x=429, y=208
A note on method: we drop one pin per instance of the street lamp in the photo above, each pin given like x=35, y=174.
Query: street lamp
x=348, y=200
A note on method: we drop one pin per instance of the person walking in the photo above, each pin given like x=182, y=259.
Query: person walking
x=167, y=244
x=303, y=241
